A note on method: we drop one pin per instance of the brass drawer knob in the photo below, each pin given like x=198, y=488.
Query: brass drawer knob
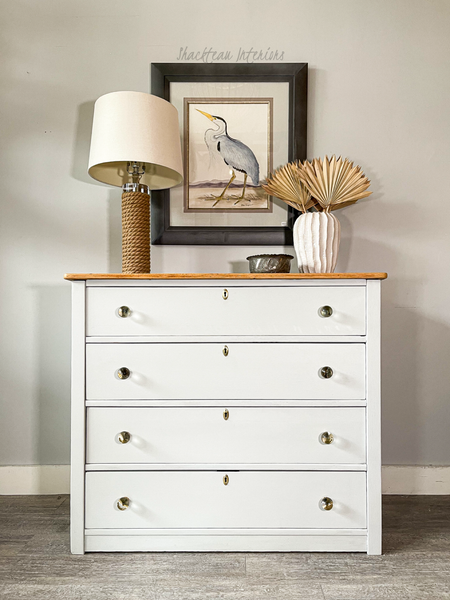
x=123, y=373
x=325, y=311
x=326, y=372
x=226, y=351
x=124, y=437
x=326, y=503
x=326, y=438
x=226, y=480
x=225, y=294
x=226, y=414
x=123, y=503
x=124, y=312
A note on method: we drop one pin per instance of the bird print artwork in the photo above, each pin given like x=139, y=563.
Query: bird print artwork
x=228, y=154
x=235, y=154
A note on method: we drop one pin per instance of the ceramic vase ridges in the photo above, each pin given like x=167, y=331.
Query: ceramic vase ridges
x=316, y=242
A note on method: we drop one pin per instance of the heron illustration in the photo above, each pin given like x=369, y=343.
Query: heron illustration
x=235, y=154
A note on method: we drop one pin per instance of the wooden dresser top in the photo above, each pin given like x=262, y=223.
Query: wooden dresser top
x=86, y=276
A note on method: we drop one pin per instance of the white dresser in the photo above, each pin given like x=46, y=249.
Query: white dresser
x=226, y=412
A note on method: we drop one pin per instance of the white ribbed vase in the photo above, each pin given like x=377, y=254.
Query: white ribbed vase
x=316, y=242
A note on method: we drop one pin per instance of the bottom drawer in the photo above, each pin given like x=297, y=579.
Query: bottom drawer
x=200, y=499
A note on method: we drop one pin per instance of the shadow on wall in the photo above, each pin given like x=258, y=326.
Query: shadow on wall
x=416, y=383
x=80, y=161
x=238, y=266
x=401, y=396
x=348, y=246
x=345, y=246
x=53, y=374
x=82, y=137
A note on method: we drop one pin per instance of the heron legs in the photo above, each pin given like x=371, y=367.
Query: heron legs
x=219, y=198
x=243, y=191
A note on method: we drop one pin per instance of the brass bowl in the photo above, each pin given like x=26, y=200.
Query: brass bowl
x=270, y=263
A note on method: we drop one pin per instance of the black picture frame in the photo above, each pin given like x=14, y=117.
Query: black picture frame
x=296, y=75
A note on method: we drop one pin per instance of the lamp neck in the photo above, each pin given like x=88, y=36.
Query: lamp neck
x=135, y=170
x=136, y=187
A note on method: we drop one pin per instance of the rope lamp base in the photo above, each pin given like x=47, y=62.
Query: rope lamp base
x=135, y=232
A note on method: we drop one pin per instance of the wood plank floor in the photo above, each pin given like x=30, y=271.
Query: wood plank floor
x=35, y=562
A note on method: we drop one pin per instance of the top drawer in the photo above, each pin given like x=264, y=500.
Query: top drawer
x=233, y=311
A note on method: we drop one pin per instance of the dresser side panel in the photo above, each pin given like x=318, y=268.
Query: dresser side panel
x=77, y=418
x=373, y=369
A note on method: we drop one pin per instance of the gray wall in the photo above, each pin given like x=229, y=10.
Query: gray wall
x=379, y=93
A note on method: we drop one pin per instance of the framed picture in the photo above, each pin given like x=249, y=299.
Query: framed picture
x=238, y=122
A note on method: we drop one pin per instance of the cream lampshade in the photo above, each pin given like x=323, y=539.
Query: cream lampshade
x=135, y=144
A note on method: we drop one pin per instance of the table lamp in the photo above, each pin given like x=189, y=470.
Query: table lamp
x=135, y=144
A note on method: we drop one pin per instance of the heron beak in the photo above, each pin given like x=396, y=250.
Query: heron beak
x=211, y=118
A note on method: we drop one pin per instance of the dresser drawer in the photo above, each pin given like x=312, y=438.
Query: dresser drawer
x=203, y=311
x=200, y=499
x=235, y=436
x=231, y=371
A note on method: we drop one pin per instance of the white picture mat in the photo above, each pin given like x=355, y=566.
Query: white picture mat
x=280, y=94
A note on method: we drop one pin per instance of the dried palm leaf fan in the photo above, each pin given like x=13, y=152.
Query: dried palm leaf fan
x=286, y=185
x=334, y=182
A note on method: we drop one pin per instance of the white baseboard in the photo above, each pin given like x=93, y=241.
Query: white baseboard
x=412, y=480
x=29, y=480
x=55, y=479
